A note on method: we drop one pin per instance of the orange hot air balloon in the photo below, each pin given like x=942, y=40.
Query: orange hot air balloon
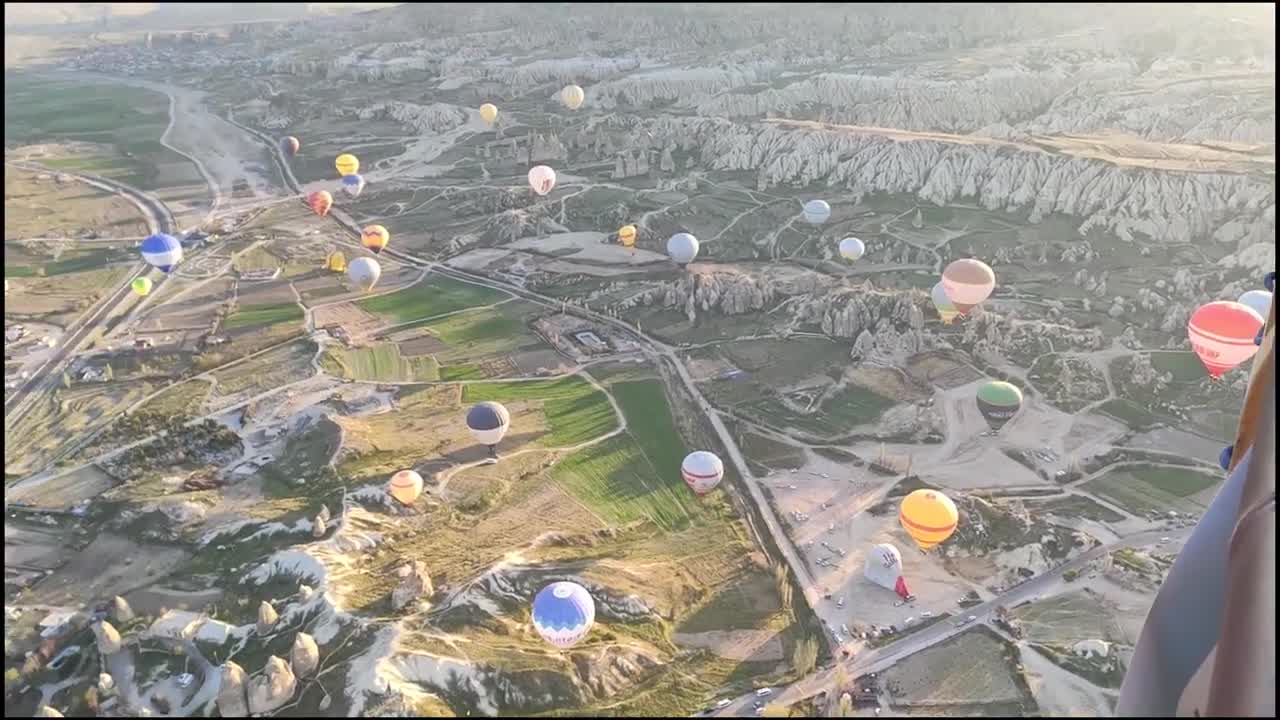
x=375, y=238
x=320, y=202
x=1222, y=335
x=405, y=486
x=967, y=283
x=929, y=517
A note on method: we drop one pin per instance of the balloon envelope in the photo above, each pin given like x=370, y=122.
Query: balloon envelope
x=320, y=202
x=375, y=237
x=563, y=613
x=702, y=471
x=336, y=262
x=627, y=235
x=488, y=422
x=542, y=179
x=683, y=248
x=141, y=286
x=1222, y=333
x=488, y=113
x=1257, y=300
x=163, y=251
x=884, y=568
x=405, y=486
x=290, y=145
x=929, y=517
x=816, y=212
x=851, y=248
x=363, y=273
x=942, y=303
x=968, y=282
x=998, y=402
x=347, y=164
x=572, y=96
x=353, y=184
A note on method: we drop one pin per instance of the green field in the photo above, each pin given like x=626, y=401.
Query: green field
x=381, y=363
x=1184, y=366
x=436, y=295
x=262, y=314
x=1153, y=489
x=1077, y=506
x=576, y=412
x=126, y=122
x=619, y=483
x=1129, y=412
x=453, y=373
x=837, y=415
x=72, y=261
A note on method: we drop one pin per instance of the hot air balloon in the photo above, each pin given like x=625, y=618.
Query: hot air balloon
x=884, y=568
x=488, y=113
x=929, y=517
x=375, y=237
x=572, y=96
x=1222, y=335
x=353, y=184
x=320, y=202
x=163, y=251
x=998, y=402
x=405, y=486
x=488, y=422
x=290, y=145
x=336, y=262
x=141, y=286
x=967, y=283
x=683, y=248
x=942, y=303
x=702, y=471
x=1257, y=300
x=851, y=248
x=816, y=212
x=542, y=179
x=563, y=613
x=627, y=236
x=347, y=164
x=363, y=273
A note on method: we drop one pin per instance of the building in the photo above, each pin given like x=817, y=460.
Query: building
x=591, y=341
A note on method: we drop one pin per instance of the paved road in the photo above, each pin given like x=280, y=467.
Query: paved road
x=881, y=658
x=159, y=219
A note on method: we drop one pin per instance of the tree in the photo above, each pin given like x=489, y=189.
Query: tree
x=784, y=585
x=804, y=656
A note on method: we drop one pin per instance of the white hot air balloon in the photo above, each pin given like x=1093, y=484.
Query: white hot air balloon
x=683, y=248
x=572, y=96
x=851, y=248
x=884, y=568
x=1258, y=300
x=405, y=486
x=816, y=212
x=488, y=423
x=363, y=273
x=542, y=179
x=702, y=471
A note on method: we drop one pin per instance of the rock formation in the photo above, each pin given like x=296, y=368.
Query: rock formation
x=120, y=610
x=267, y=617
x=304, y=657
x=414, y=583
x=317, y=527
x=273, y=688
x=232, y=698
x=107, y=638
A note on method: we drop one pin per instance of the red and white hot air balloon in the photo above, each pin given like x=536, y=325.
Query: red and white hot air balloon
x=1222, y=334
x=702, y=471
x=967, y=282
x=542, y=179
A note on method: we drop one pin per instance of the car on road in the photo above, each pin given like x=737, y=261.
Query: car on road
x=759, y=711
x=764, y=692
x=185, y=680
x=971, y=618
x=723, y=702
x=840, y=602
x=926, y=613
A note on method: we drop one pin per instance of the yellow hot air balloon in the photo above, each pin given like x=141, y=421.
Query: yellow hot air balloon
x=488, y=113
x=141, y=286
x=347, y=164
x=405, y=486
x=929, y=517
x=627, y=236
x=336, y=262
x=375, y=238
x=572, y=96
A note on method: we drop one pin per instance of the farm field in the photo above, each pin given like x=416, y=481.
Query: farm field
x=262, y=314
x=436, y=295
x=379, y=363
x=575, y=411
x=1069, y=618
x=1154, y=489
x=1077, y=506
x=63, y=492
x=270, y=370
x=37, y=205
x=973, y=668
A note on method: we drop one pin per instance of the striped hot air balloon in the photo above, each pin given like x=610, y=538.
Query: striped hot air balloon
x=162, y=251
x=563, y=613
x=320, y=202
x=353, y=184
x=405, y=486
x=816, y=212
x=929, y=517
x=702, y=471
x=375, y=238
x=1222, y=335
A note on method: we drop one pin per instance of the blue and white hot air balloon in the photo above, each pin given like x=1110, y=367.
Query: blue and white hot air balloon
x=488, y=422
x=352, y=184
x=563, y=613
x=816, y=212
x=163, y=251
x=683, y=248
